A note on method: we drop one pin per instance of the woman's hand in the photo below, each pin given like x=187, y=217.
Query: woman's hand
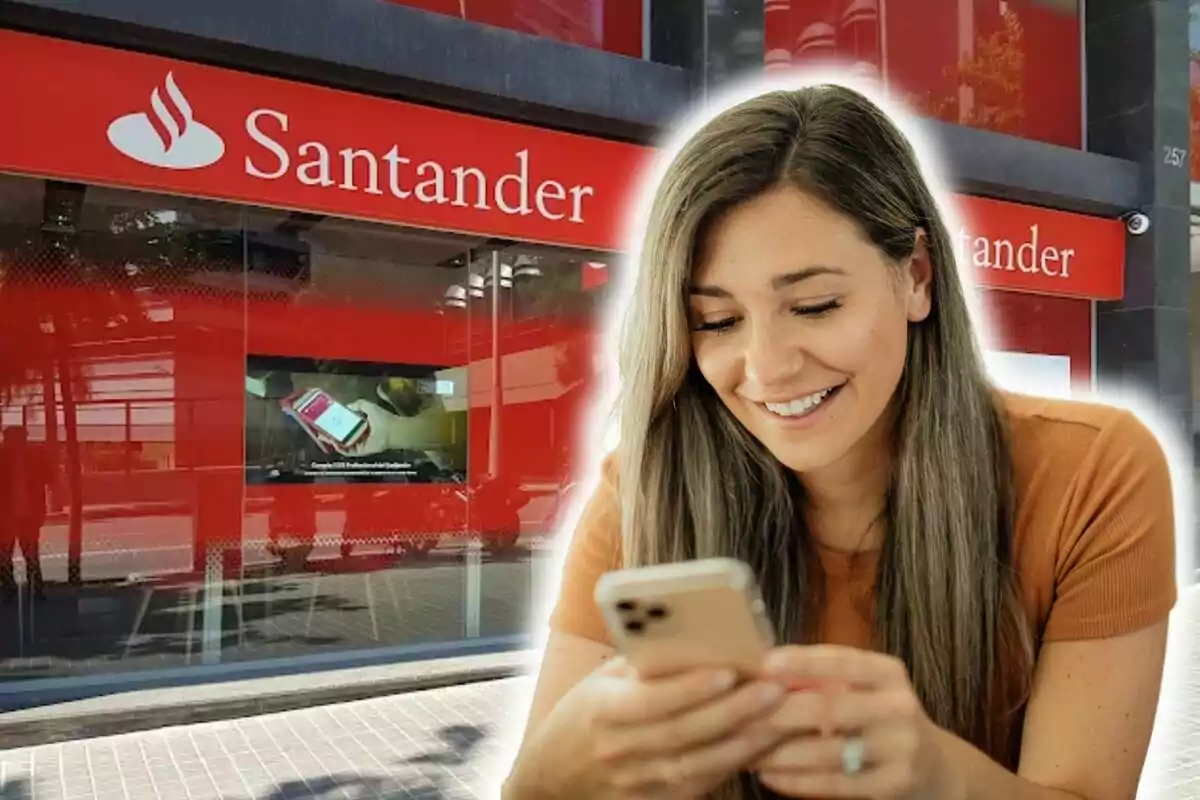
x=615, y=735
x=862, y=735
x=388, y=431
x=379, y=425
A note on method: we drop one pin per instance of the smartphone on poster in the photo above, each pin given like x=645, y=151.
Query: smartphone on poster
x=325, y=419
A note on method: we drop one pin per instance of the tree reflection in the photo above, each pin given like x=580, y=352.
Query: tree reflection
x=61, y=288
x=989, y=83
x=1194, y=102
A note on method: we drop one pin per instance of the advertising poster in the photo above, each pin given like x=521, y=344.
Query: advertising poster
x=1030, y=373
x=311, y=420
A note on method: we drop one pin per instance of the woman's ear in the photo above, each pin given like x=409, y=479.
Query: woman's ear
x=918, y=280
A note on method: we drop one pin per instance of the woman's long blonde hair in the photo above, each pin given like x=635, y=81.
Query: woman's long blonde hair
x=695, y=484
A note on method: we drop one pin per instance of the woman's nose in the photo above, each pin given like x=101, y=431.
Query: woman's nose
x=770, y=356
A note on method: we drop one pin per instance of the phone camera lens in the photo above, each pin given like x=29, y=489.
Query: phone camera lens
x=657, y=612
x=635, y=626
x=627, y=605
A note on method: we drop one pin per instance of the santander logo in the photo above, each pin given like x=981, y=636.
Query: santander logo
x=278, y=151
x=170, y=136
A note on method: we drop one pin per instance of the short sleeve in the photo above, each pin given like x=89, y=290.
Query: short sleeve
x=1115, y=568
x=594, y=550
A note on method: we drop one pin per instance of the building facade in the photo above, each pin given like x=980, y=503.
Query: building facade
x=224, y=227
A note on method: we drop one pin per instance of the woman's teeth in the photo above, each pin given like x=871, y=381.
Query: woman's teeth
x=801, y=406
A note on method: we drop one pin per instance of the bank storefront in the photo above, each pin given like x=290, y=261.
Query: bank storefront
x=210, y=279
x=189, y=256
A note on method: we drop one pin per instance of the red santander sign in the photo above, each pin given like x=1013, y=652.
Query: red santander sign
x=128, y=119
x=1037, y=250
x=106, y=116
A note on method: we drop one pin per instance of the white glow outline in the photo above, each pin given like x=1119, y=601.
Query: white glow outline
x=597, y=427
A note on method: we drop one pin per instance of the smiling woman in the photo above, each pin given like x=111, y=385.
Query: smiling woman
x=844, y=304
x=972, y=586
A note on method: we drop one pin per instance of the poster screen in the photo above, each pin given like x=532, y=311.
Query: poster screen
x=1031, y=373
x=315, y=420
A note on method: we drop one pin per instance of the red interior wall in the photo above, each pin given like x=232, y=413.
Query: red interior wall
x=573, y=21
x=207, y=339
x=1055, y=326
x=1024, y=72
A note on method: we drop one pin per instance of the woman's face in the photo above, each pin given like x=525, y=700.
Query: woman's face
x=800, y=324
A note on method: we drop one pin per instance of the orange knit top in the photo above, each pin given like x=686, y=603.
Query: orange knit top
x=1094, y=533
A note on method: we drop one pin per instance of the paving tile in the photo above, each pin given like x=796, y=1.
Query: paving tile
x=78, y=785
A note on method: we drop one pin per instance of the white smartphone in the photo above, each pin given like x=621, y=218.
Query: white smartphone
x=319, y=410
x=674, y=617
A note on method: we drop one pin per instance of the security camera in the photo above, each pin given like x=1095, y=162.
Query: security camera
x=1136, y=222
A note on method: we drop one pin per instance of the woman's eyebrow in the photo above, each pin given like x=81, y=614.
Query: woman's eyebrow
x=777, y=283
x=803, y=274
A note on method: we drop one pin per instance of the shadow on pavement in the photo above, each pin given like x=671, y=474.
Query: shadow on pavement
x=355, y=786
x=460, y=743
x=16, y=789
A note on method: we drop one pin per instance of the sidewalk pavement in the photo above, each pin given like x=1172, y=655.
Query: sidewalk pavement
x=127, y=712
x=441, y=744
x=1173, y=765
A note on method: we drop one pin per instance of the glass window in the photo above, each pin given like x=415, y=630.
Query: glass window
x=1194, y=168
x=1194, y=86
x=1056, y=329
x=235, y=434
x=611, y=25
x=1194, y=317
x=1011, y=66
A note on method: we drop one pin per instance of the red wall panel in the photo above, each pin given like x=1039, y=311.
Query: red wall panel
x=206, y=341
x=1056, y=326
x=1012, y=67
x=611, y=25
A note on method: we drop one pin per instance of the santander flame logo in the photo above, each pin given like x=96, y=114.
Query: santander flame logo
x=169, y=136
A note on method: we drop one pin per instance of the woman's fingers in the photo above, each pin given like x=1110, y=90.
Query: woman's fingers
x=848, y=665
x=624, y=702
x=680, y=736
x=616, y=667
x=701, y=725
x=812, y=753
x=888, y=781
x=816, y=712
x=877, y=705
x=694, y=773
x=683, y=735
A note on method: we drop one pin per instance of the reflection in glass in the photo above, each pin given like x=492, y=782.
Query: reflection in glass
x=1194, y=243
x=1194, y=100
x=1194, y=318
x=1011, y=66
x=611, y=25
x=162, y=357
x=90, y=333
